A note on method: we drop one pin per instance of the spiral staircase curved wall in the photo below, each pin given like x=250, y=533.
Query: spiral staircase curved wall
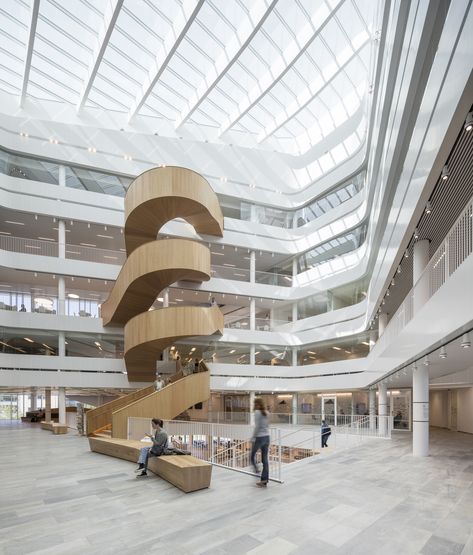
x=154, y=198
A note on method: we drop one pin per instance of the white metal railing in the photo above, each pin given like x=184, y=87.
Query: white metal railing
x=285, y=418
x=453, y=251
x=261, y=324
x=243, y=274
x=50, y=248
x=227, y=445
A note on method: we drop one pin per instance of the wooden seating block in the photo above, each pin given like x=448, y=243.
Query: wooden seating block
x=54, y=427
x=183, y=471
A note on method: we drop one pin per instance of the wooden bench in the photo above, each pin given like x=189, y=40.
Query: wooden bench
x=183, y=471
x=54, y=427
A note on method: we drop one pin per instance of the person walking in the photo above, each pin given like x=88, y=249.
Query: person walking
x=159, y=383
x=325, y=433
x=261, y=441
x=159, y=439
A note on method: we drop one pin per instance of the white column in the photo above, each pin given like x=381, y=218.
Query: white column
x=421, y=283
x=372, y=408
x=294, y=312
x=294, y=267
x=252, y=354
x=382, y=323
x=295, y=407
x=61, y=238
x=294, y=356
x=61, y=295
x=62, y=176
x=252, y=408
x=252, y=314
x=47, y=404
x=252, y=267
x=61, y=339
x=34, y=399
x=420, y=412
x=62, y=405
x=165, y=305
x=382, y=408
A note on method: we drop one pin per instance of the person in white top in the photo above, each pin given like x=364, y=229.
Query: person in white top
x=159, y=383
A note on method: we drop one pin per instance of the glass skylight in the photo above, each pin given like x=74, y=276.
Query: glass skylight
x=290, y=73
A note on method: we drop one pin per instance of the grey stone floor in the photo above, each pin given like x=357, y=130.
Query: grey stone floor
x=59, y=498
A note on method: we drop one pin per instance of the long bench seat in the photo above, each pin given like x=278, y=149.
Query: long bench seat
x=54, y=427
x=183, y=471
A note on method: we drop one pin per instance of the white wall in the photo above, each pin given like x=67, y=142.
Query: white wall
x=465, y=410
x=438, y=401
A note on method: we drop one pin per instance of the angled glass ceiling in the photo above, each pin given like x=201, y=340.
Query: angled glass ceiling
x=289, y=73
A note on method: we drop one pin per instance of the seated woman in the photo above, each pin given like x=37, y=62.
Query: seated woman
x=159, y=439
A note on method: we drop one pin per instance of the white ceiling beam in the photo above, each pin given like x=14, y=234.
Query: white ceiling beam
x=281, y=65
x=238, y=43
x=172, y=41
x=110, y=18
x=304, y=99
x=29, y=50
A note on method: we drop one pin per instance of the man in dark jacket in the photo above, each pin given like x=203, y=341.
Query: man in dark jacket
x=325, y=433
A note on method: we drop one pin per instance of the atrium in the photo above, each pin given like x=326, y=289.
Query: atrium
x=210, y=206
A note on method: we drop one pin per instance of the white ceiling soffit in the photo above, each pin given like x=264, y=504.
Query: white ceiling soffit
x=288, y=73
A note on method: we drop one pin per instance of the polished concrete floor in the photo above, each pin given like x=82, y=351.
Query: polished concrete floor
x=59, y=498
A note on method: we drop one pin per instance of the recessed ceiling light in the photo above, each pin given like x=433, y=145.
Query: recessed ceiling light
x=87, y=244
x=105, y=236
x=92, y=149
x=97, y=343
x=14, y=223
x=218, y=253
x=445, y=173
x=336, y=348
x=28, y=339
x=5, y=233
x=232, y=351
x=46, y=238
x=72, y=296
x=469, y=122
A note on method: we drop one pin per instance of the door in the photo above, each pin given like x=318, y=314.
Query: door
x=329, y=410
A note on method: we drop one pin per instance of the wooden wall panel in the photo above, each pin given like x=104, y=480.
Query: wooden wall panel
x=148, y=270
x=166, y=403
x=162, y=194
x=147, y=334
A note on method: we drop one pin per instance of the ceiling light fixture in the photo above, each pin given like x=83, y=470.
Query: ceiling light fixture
x=428, y=207
x=28, y=339
x=92, y=149
x=466, y=343
x=406, y=254
x=468, y=122
x=426, y=361
x=72, y=296
x=445, y=173
x=443, y=352
x=416, y=233
x=399, y=270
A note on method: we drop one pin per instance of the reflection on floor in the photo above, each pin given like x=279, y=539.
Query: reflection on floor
x=58, y=497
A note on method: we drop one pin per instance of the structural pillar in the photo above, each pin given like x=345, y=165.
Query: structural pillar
x=421, y=282
x=382, y=408
x=372, y=409
x=47, y=404
x=61, y=296
x=295, y=406
x=420, y=412
x=252, y=354
x=252, y=314
x=252, y=267
x=252, y=408
x=34, y=399
x=382, y=323
x=61, y=398
x=165, y=305
x=294, y=312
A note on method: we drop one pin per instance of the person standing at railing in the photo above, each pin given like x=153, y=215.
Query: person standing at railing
x=23, y=308
x=325, y=433
x=261, y=441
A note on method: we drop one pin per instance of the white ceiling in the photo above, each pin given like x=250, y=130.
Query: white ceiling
x=288, y=73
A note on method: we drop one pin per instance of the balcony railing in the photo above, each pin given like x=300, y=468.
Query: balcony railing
x=454, y=250
x=49, y=248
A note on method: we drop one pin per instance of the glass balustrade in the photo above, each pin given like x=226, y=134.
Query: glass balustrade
x=35, y=342
x=43, y=303
x=77, y=177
